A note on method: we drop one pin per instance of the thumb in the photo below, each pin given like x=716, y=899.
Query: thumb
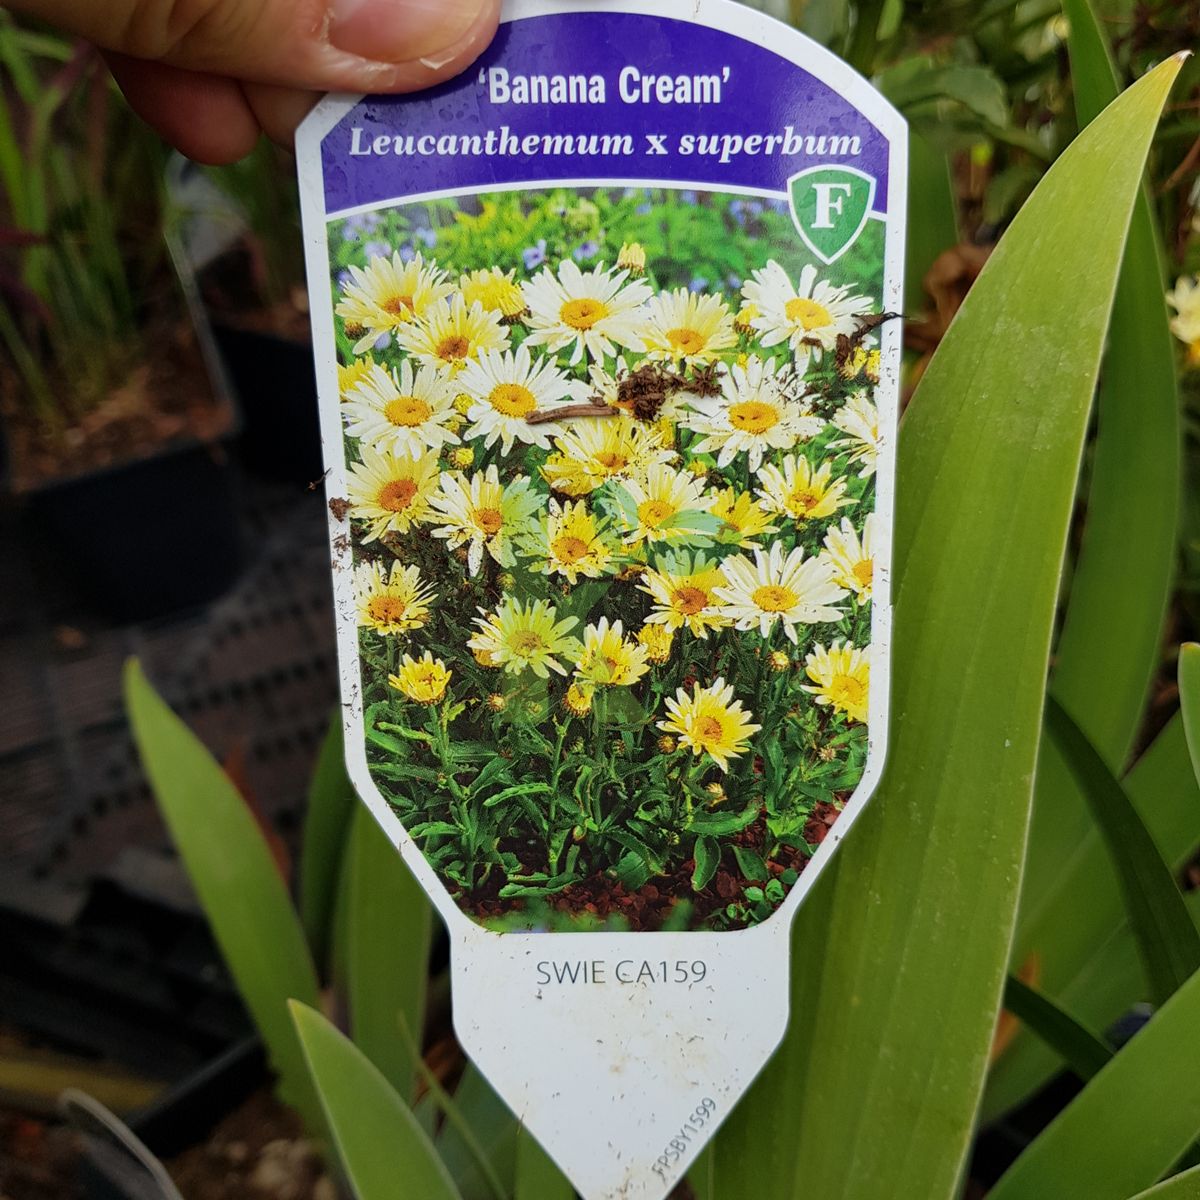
x=320, y=45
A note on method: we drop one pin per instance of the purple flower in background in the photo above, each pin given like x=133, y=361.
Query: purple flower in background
x=585, y=251
x=381, y=342
x=779, y=206
x=407, y=253
x=698, y=284
x=732, y=281
x=642, y=209
x=534, y=256
x=689, y=197
x=344, y=279
x=377, y=250
x=754, y=207
x=737, y=210
x=426, y=236
x=360, y=224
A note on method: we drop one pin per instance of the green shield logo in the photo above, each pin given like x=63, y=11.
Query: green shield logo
x=830, y=206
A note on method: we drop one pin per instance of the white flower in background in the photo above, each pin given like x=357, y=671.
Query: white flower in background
x=450, y=335
x=791, y=591
x=685, y=327
x=808, y=315
x=1184, y=298
x=663, y=506
x=388, y=293
x=506, y=389
x=751, y=414
x=592, y=312
x=401, y=412
x=853, y=557
x=483, y=514
x=859, y=418
x=596, y=450
x=389, y=491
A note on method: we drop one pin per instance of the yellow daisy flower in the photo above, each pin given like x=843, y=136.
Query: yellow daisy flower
x=595, y=450
x=389, y=293
x=350, y=377
x=608, y=658
x=859, y=419
x=751, y=414
x=662, y=507
x=450, y=335
x=794, y=489
x=809, y=315
x=520, y=636
x=391, y=600
x=853, y=558
x=658, y=640
x=495, y=290
x=791, y=591
x=632, y=258
x=571, y=542
x=682, y=326
x=579, y=698
x=505, y=390
x=390, y=492
x=591, y=312
x=742, y=518
x=421, y=679
x=401, y=412
x=482, y=514
x=710, y=721
x=842, y=675
x=744, y=321
x=684, y=592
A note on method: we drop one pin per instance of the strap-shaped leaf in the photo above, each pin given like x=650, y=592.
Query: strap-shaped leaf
x=1085, y=1052
x=1129, y=1125
x=904, y=945
x=383, y=1149
x=1179, y=1187
x=537, y=1176
x=234, y=873
x=1166, y=935
x=1189, y=701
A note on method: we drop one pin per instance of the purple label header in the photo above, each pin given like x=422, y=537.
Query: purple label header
x=577, y=96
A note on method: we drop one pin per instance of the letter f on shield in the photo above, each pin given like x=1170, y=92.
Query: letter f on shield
x=830, y=207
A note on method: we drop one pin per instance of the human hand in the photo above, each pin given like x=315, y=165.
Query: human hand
x=212, y=75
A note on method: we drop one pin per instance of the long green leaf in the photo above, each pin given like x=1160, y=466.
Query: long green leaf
x=384, y=1151
x=1094, y=970
x=235, y=876
x=905, y=944
x=1189, y=701
x=1129, y=1125
x=389, y=924
x=327, y=819
x=1181, y=1187
x=495, y=1130
x=1109, y=645
x=537, y=1176
x=1085, y=1052
x=1167, y=938
x=932, y=220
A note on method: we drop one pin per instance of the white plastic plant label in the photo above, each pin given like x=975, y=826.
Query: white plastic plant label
x=608, y=372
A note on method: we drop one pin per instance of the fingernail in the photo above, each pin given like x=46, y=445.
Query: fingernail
x=397, y=31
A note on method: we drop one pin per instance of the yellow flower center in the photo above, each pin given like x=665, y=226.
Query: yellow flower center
x=689, y=600
x=864, y=571
x=804, y=500
x=398, y=306
x=489, y=520
x=453, y=347
x=568, y=549
x=652, y=513
x=686, y=341
x=848, y=691
x=396, y=495
x=583, y=314
x=526, y=642
x=708, y=729
x=512, y=400
x=753, y=416
x=773, y=598
x=385, y=609
x=407, y=411
x=612, y=460
x=808, y=314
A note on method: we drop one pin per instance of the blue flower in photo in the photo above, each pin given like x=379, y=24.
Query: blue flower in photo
x=360, y=225
x=534, y=256
x=407, y=253
x=698, y=284
x=690, y=197
x=586, y=250
x=427, y=237
x=377, y=250
x=382, y=342
x=642, y=209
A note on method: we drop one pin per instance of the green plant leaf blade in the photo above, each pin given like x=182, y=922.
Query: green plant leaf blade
x=495, y=1130
x=388, y=929
x=1180, y=1187
x=1129, y=1125
x=330, y=806
x=1189, y=701
x=234, y=873
x=1166, y=935
x=905, y=943
x=1085, y=1052
x=537, y=1176
x=380, y=1143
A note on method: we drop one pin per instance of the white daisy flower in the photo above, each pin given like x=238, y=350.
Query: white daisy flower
x=685, y=327
x=792, y=591
x=482, y=514
x=404, y=412
x=593, y=312
x=664, y=506
x=752, y=413
x=389, y=491
x=859, y=418
x=853, y=557
x=450, y=335
x=809, y=315
x=389, y=293
x=507, y=388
